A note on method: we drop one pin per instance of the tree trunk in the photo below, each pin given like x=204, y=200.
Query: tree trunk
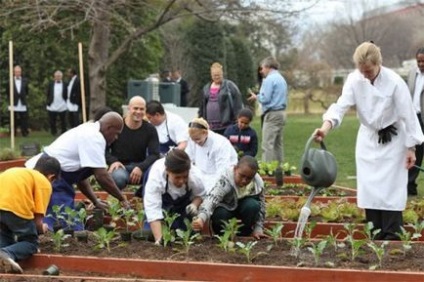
x=308, y=94
x=98, y=55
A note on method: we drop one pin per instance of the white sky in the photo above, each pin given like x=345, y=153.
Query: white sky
x=328, y=10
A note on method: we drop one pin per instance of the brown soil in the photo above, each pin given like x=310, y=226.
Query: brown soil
x=265, y=252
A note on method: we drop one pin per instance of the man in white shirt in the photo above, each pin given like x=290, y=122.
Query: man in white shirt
x=20, y=93
x=57, y=94
x=171, y=128
x=416, y=87
x=81, y=153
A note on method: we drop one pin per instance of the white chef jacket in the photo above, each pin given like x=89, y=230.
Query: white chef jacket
x=213, y=157
x=174, y=128
x=156, y=185
x=381, y=168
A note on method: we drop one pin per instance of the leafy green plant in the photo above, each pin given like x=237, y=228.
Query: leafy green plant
x=168, y=234
x=229, y=232
x=418, y=228
x=58, y=240
x=406, y=237
x=187, y=236
x=369, y=231
x=288, y=169
x=82, y=217
x=298, y=243
x=275, y=232
x=70, y=217
x=354, y=244
x=267, y=168
x=103, y=238
x=114, y=210
x=57, y=214
x=317, y=250
x=7, y=154
x=246, y=249
x=379, y=251
x=332, y=240
x=129, y=216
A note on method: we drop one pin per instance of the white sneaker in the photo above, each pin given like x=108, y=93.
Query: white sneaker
x=7, y=264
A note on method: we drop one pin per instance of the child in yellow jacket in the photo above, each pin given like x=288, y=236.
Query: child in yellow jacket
x=24, y=197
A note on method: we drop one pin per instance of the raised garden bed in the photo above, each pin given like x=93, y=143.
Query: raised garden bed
x=20, y=162
x=207, y=271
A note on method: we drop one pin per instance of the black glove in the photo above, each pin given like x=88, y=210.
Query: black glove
x=385, y=134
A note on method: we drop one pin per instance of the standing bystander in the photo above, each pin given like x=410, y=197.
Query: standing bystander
x=416, y=87
x=273, y=99
x=386, y=140
x=56, y=102
x=74, y=98
x=184, y=88
x=20, y=106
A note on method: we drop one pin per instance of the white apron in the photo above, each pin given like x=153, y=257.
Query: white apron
x=381, y=168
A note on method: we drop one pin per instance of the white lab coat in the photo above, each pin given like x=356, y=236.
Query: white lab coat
x=156, y=187
x=381, y=168
x=212, y=158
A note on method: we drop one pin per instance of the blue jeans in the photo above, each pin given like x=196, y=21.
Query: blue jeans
x=26, y=242
x=122, y=176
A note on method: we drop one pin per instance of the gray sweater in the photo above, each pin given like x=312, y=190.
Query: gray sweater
x=224, y=194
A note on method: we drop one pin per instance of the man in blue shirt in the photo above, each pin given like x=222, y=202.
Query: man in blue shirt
x=273, y=98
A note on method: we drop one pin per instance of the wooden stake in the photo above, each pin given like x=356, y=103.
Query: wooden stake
x=11, y=93
x=81, y=70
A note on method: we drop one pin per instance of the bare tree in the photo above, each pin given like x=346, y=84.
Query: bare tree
x=395, y=32
x=104, y=15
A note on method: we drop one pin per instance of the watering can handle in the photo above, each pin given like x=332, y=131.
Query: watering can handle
x=308, y=144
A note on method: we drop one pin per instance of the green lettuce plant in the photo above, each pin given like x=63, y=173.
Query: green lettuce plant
x=104, y=238
x=317, y=250
x=168, y=234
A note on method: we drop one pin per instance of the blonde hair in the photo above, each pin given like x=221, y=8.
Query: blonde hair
x=216, y=66
x=197, y=127
x=367, y=52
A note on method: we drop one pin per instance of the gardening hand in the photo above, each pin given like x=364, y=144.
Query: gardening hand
x=101, y=205
x=115, y=166
x=197, y=224
x=191, y=210
x=136, y=175
x=252, y=97
x=385, y=134
x=259, y=235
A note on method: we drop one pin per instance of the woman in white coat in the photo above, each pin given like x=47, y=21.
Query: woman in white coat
x=212, y=153
x=385, y=145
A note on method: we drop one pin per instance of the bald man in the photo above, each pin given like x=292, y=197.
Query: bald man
x=57, y=94
x=136, y=148
x=81, y=153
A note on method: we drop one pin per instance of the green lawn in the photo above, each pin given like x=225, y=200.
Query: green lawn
x=341, y=142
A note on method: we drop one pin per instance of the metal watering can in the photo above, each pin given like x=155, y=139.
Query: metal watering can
x=318, y=167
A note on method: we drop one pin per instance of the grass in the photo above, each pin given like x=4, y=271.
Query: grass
x=299, y=127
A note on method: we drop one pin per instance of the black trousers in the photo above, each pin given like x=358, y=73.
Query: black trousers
x=52, y=120
x=73, y=118
x=389, y=223
x=21, y=120
x=413, y=171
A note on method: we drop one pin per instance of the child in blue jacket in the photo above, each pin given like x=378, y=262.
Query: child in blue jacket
x=243, y=138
